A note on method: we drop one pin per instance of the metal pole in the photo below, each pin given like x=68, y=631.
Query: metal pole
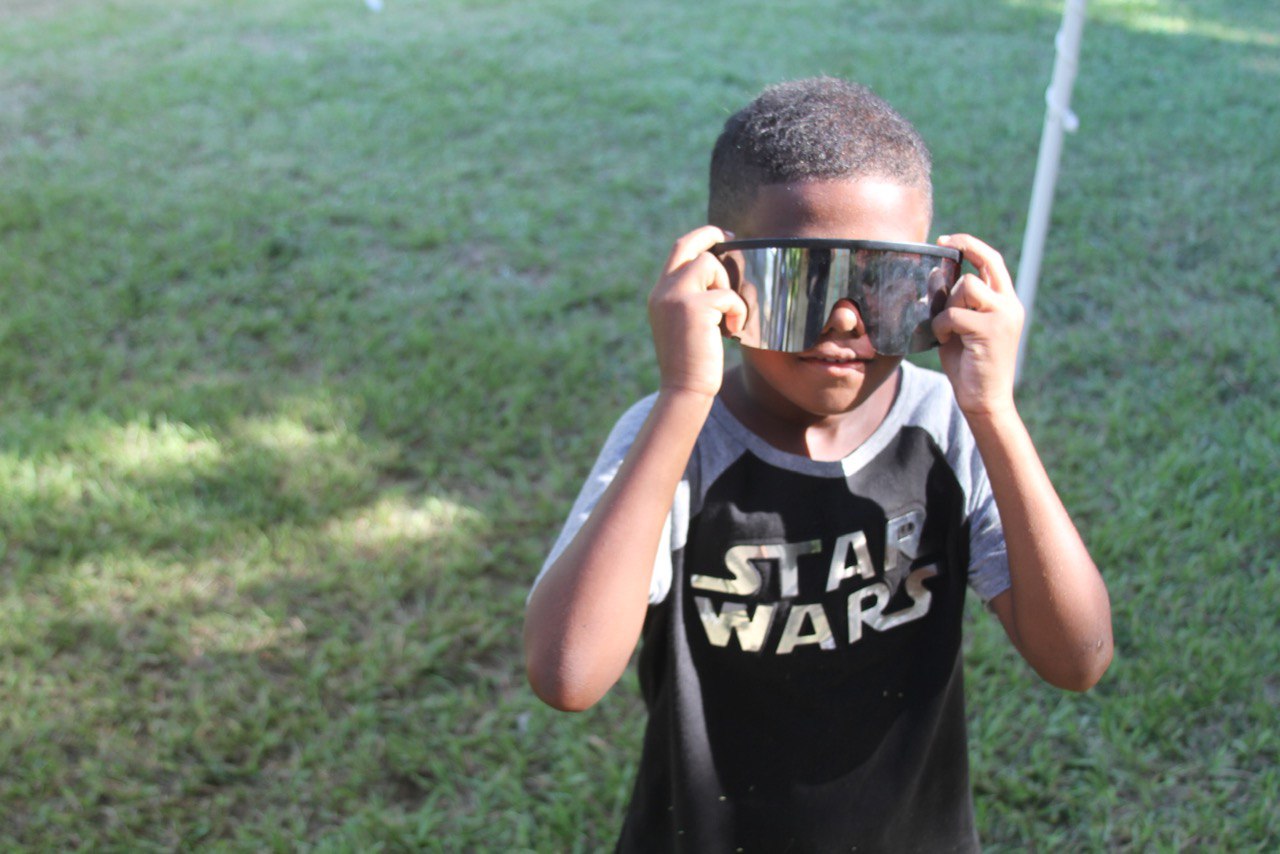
x=1058, y=119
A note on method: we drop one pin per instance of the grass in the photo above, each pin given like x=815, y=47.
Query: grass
x=312, y=320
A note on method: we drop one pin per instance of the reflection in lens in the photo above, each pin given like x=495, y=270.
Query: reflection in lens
x=791, y=287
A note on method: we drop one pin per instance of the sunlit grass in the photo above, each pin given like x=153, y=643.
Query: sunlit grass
x=393, y=522
x=1172, y=18
x=1161, y=17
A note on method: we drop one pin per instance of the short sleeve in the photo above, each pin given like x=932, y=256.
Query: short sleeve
x=926, y=401
x=988, y=557
x=606, y=466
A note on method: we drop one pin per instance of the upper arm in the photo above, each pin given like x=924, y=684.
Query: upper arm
x=1002, y=606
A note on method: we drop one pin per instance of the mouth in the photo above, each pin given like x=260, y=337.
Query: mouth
x=833, y=362
x=834, y=365
x=834, y=355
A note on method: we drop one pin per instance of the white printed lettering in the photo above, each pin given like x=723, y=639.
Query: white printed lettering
x=733, y=619
x=789, y=565
x=746, y=580
x=841, y=569
x=876, y=618
x=920, y=600
x=902, y=537
x=821, y=634
x=807, y=623
x=879, y=592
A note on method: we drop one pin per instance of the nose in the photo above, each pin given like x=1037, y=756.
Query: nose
x=845, y=319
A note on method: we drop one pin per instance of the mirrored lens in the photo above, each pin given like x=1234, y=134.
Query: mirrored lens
x=791, y=286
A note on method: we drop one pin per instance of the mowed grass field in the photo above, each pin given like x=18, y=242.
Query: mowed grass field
x=312, y=320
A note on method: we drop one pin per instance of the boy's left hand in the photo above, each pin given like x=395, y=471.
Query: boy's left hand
x=978, y=330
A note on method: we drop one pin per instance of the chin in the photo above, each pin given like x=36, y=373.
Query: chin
x=836, y=402
x=799, y=388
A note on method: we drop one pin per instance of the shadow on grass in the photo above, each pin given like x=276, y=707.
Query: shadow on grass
x=229, y=627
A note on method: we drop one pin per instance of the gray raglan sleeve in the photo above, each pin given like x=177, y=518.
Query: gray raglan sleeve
x=988, y=558
x=602, y=473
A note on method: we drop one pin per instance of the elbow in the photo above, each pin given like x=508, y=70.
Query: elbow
x=1084, y=671
x=572, y=670
x=564, y=702
x=553, y=686
x=556, y=678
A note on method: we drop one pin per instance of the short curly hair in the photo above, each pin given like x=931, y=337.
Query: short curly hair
x=819, y=128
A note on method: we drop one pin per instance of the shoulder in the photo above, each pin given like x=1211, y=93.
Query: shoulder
x=628, y=425
x=926, y=402
x=924, y=387
x=637, y=412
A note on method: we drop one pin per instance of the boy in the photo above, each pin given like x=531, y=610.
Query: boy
x=793, y=538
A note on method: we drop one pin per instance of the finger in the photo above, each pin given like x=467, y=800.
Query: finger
x=972, y=293
x=951, y=326
x=957, y=321
x=960, y=324
x=693, y=244
x=944, y=325
x=732, y=309
x=703, y=273
x=717, y=275
x=987, y=261
x=1002, y=323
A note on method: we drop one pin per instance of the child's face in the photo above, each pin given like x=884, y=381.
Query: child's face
x=842, y=370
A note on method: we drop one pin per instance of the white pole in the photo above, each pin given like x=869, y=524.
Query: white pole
x=1058, y=119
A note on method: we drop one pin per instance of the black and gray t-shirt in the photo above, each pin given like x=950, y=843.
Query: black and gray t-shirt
x=801, y=656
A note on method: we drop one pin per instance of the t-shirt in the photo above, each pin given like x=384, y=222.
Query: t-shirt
x=800, y=659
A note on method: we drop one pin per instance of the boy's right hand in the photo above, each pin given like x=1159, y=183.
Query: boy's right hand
x=686, y=309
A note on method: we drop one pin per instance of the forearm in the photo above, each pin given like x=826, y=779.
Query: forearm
x=586, y=614
x=1057, y=613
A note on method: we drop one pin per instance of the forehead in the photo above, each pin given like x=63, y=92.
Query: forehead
x=858, y=209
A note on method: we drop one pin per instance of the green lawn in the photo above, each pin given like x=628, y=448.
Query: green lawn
x=313, y=319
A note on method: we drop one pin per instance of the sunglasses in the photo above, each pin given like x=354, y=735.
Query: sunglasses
x=790, y=286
